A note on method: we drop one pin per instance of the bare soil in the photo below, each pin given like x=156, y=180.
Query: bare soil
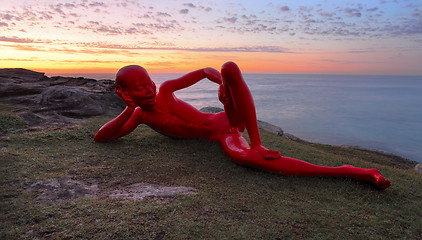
x=67, y=188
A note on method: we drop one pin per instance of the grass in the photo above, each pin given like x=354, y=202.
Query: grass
x=9, y=122
x=233, y=201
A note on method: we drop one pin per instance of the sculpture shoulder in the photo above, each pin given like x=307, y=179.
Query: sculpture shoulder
x=138, y=115
x=167, y=87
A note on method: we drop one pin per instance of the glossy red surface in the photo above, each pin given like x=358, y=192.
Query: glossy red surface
x=170, y=116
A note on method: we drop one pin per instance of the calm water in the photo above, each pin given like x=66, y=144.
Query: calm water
x=378, y=112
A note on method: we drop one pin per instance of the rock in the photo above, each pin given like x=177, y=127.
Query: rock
x=211, y=110
x=270, y=128
x=57, y=100
x=418, y=168
x=293, y=138
x=21, y=73
x=70, y=102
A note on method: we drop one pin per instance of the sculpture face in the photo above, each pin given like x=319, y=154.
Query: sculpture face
x=143, y=93
x=135, y=86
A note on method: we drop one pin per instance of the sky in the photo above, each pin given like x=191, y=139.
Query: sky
x=382, y=37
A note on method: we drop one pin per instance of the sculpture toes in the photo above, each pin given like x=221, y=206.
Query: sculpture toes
x=271, y=155
x=382, y=183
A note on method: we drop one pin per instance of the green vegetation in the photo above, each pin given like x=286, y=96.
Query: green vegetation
x=10, y=122
x=233, y=202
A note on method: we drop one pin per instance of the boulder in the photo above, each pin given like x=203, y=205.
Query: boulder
x=57, y=100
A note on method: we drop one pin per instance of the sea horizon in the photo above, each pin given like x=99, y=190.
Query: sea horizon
x=377, y=112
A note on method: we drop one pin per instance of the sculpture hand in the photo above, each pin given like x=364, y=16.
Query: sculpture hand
x=213, y=75
x=222, y=95
x=128, y=103
x=127, y=100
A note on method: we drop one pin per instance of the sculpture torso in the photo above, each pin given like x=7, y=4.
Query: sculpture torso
x=173, y=117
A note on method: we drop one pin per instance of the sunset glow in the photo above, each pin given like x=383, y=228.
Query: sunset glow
x=332, y=36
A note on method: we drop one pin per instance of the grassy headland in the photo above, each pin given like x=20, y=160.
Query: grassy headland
x=232, y=201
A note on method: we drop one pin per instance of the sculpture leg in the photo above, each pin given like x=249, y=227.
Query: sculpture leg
x=239, y=107
x=237, y=148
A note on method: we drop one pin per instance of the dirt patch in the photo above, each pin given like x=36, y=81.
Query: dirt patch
x=62, y=189
x=67, y=188
x=139, y=191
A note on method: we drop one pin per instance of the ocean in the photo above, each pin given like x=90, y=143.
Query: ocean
x=376, y=112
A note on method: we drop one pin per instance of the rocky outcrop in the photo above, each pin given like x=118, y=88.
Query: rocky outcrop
x=57, y=100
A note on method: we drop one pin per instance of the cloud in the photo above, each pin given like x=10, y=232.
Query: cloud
x=268, y=49
x=16, y=40
x=372, y=9
x=231, y=20
x=25, y=47
x=184, y=11
x=284, y=9
x=9, y=17
x=141, y=21
x=161, y=23
x=194, y=6
x=191, y=5
x=305, y=9
x=412, y=27
x=163, y=14
x=328, y=60
x=169, y=46
x=325, y=14
x=352, y=12
x=109, y=30
x=360, y=51
x=97, y=4
x=19, y=59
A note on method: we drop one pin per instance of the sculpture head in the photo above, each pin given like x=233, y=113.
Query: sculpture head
x=134, y=86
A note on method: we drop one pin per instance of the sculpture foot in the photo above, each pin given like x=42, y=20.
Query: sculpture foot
x=379, y=181
x=268, y=154
x=368, y=175
x=382, y=183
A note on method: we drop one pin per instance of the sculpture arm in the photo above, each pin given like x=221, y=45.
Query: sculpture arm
x=119, y=126
x=191, y=78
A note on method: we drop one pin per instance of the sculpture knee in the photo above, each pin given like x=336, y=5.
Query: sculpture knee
x=230, y=66
x=231, y=74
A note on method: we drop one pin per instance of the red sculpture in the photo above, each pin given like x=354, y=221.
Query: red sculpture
x=170, y=116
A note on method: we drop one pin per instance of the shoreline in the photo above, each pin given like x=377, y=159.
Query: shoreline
x=280, y=132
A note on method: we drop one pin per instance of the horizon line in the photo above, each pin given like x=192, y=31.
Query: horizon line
x=64, y=72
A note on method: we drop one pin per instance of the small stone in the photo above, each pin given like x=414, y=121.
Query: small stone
x=418, y=168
